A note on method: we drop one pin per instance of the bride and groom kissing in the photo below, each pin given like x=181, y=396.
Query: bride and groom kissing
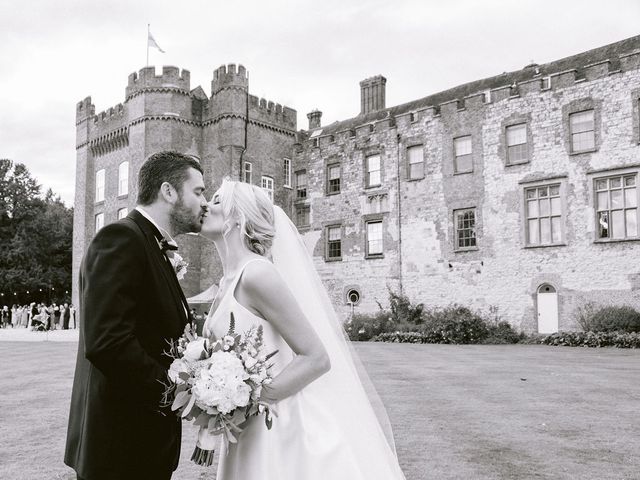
x=330, y=424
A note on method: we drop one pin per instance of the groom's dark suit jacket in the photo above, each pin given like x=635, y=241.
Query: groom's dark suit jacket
x=130, y=305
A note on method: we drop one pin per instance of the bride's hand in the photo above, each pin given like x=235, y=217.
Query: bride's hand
x=268, y=395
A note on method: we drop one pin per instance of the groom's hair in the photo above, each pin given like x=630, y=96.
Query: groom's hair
x=171, y=167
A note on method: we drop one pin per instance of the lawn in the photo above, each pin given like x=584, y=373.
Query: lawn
x=459, y=412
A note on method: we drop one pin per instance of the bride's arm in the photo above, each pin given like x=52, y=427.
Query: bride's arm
x=267, y=293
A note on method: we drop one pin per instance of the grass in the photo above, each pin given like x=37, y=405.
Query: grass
x=458, y=412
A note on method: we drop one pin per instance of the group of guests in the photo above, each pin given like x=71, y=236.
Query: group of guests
x=199, y=319
x=39, y=316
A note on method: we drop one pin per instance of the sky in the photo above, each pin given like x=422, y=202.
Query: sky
x=304, y=54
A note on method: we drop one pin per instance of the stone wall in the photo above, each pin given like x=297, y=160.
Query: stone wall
x=419, y=238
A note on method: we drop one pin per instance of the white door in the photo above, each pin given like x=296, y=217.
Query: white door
x=547, y=309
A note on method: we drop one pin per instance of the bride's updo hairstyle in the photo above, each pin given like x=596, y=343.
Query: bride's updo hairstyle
x=248, y=207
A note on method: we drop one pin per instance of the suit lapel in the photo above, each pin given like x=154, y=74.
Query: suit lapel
x=153, y=235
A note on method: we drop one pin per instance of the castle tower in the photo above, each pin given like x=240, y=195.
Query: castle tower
x=225, y=129
x=161, y=112
x=85, y=186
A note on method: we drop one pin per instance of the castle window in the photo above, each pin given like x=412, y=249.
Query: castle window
x=302, y=216
x=301, y=184
x=543, y=207
x=123, y=178
x=100, y=185
x=617, y=207
x=465, y=225
x=287, y=172
x=248, y=170
x=333, y=179
x=334, y=242
x=582, y=128
x=123, y=212
x=373, y=171
x=415, y=157
x=99, y=221
x=267, y=185
x=516, y=143
x=374, y=238
x=463, y=160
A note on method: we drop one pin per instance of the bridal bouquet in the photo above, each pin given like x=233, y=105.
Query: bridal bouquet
x=217, y=384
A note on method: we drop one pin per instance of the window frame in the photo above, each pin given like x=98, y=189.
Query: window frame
x=95, y=222
x=456, y=239
x=126, y=212
x=100, y=187
x=327, y=242
x=593, y=131
x=306, y=184
x=509, y=160
x=328, y=180
x=270, y=191
x=526, y=219
x=286, y=165
x=456, y=170
x=606, y=175
x=300, y=208
x=247, y=171
x=368, y=222
x=122, y=192
x=367, y=173
x=417, y=146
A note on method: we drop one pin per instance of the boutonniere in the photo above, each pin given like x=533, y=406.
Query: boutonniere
x=179, y=265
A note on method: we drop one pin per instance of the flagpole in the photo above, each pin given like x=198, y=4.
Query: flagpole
x=148, y=31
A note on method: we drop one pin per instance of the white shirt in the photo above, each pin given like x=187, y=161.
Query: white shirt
x=162, y=231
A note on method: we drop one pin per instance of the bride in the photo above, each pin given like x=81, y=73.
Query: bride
x=329, y=424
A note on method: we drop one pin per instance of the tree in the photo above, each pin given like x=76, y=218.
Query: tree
x=35, y=239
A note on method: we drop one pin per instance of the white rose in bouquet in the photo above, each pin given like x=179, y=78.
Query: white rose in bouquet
x=177, y=366
x=222, y=385
x=193, y=351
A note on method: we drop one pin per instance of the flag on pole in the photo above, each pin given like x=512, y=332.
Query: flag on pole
x=151, y=42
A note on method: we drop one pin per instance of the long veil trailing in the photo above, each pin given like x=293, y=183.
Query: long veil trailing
x=346, y=389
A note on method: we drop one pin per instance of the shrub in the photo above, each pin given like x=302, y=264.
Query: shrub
x=365, y=326
x=403, y=311
x=583, y=316
x=592, y=339
x=456, y=324
x=615, y=319
x=502, y=332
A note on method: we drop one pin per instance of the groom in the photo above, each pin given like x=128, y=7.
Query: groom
x=130, y=305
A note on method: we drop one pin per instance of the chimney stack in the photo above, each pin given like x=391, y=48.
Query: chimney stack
x=372, y=94
x=314, y=119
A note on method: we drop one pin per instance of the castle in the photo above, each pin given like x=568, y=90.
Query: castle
x=516, y=193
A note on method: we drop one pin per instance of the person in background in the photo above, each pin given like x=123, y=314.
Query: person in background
x=24, y=316
x=56, y=316
x=14, y=316
x=73, y=313
x=66, y=315
x=4, y=316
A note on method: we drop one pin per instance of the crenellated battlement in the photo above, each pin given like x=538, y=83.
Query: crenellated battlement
x=227, y=76
x=170, y=78
x=271, y=112
x=108, y=120
x=533, y=79
x=84, y=109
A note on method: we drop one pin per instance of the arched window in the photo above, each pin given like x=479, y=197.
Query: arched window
x=123, y=178
x=100, y=185
x=546, y=288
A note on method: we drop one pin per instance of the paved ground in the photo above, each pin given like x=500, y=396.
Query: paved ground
x=459, y=412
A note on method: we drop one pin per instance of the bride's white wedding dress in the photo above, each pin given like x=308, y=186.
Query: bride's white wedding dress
x=327, y=431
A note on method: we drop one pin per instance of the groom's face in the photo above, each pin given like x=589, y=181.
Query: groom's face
x=189, y=210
